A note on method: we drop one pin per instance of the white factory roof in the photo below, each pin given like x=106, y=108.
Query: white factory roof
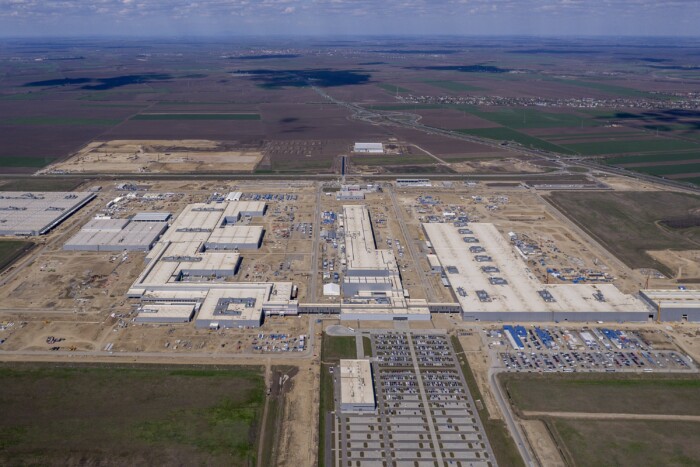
x=234, y=196
x=360, y=250
x=154, y=312
x=331, y=290
x=35, y=213
x=434, y=261
x=151, y=217
x=171, y=259
x=356, y=382
x=673, y=298
x=104, y=224
x=520, y=294
x=369, y=147
x=242, y=234
x=132, y=235
x=212, y=310
x=244, y=208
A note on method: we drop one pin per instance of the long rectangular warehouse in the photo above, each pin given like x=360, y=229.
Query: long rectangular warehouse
x=674, y=304
x=497, y=285
x=116, y=235
x=36, y=213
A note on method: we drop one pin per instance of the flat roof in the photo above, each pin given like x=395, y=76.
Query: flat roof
x=140, y=235
x=673, y=298
x=152, y=312
x=151, y=217
x=37, y=212
x=521, y=293
x=237, y=234
x=176, y=266
x=356, y=382
x=360, y=250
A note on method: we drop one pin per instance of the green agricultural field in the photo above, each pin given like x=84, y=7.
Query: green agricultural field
x=70, y=121
x=452, y=85
x=532, y=118
x=620, y=147
x=196, y=116
x=613, y=440
x=42, y=184
x=506, y=134
x=334, y=348
x=630, y=134
x=19, y=161
x=630, y=443
x=405, y=107
x=10, y=250
x=604, y=393
x=619, y=91
x=661, y=170
x=406, y=159
x=393, y=88
x=651, y=158
x=138, y=415
x=626, y=223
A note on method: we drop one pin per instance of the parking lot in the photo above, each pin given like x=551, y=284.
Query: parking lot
x=542, y=349
x=425, y=415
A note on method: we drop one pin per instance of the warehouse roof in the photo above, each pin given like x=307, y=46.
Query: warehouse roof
x=154, y=312
x=151, y=217
x=356, y=382
x=369, y=146
x=239, y=234
x=521, y=290
x=360, y=249
x=673, y=298
x=107, y=233
x=35, y=213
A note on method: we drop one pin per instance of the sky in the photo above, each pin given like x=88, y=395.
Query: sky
x=42, y=18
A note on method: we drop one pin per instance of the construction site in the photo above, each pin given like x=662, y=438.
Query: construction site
x=230, y=271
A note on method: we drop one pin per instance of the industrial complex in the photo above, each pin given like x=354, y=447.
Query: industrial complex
x=192, y=266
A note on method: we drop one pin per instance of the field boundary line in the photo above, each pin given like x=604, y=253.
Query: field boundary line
x=608, y=416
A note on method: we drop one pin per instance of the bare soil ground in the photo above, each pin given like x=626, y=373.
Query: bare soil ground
x=159, y=156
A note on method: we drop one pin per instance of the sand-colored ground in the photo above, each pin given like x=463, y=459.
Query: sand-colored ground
x=685, y=264
x=159, y=156
x=495, y=166
x=543, y=445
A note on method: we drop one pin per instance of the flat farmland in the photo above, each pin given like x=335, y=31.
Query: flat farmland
x=604, y=393
x=111, y=415
x=10, y=250
x=507, y=134
x=628, y=442
x=628, y=223
x=197, y=116
x=621, y=419
x=632, y=146
x=55, y=100
x=451, y=119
